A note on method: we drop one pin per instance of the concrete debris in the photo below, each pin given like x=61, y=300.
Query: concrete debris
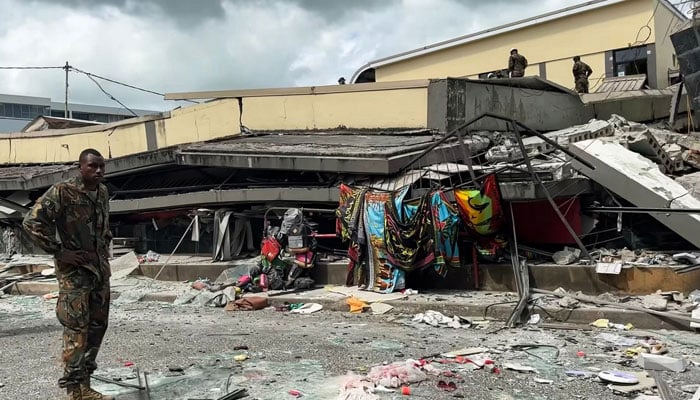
x=687, y=258
x=647, y=397
x=694, y=296
x=567, y=256
x=692, y=183
x=568, y=302
x=692, y=158
x=655, y=302
x=593, y=129
x=640, y=182
x=646, y=144
x=696, y=396
x=656, y=362
x=544, y=381
x=380, y=308
x=467, y=351
x=690, y=142
x=519, y=367
x=124, y=266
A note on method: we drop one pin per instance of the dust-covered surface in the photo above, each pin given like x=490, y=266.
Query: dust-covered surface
x=311, y=353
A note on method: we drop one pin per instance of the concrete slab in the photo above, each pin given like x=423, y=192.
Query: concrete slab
x=362, y=152
x=639, y=181
x=634, y=280
x=537, y=103
x=692, y=183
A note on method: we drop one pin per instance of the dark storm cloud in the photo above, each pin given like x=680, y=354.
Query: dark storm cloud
x=184, y=11
x=334, y=10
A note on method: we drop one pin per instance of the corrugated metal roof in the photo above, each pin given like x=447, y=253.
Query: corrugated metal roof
x=622, y=83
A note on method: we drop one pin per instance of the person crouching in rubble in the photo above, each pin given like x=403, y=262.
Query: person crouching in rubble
x=78, y=209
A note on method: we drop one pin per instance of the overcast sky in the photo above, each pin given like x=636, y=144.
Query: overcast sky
x=192, y=45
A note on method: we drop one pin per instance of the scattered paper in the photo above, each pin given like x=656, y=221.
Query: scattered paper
x=608, y=268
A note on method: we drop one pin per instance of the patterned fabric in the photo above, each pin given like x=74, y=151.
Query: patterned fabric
x=81, y=222
x=409, y=235
x=381, y=275
x=355, y=270
x=349, y=212
x=446, y=228
x=481, y=210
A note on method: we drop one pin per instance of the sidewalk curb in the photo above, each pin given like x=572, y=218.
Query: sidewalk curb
x=578, y=316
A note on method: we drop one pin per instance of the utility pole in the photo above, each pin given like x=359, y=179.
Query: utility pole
x=65, y=110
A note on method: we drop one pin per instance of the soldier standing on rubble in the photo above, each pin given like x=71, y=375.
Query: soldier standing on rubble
x=78, y=210
x=581, y=72
x=516, y=64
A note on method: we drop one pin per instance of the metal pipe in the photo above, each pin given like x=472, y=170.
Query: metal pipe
x=113, y=382
x=642, y=210
x=173, y=252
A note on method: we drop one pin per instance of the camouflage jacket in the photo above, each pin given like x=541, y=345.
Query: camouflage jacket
x=517, y=64
x=81, y=223
x=581, y=70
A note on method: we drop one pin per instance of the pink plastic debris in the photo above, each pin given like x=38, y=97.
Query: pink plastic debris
x=396, y=374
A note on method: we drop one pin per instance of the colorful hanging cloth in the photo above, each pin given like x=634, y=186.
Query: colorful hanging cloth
x=481, y=210
x=446, y=229
x=408, y=233
x=381, y=275
x=348, y=213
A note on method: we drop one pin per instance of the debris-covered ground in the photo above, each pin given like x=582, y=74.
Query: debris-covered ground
x=190, y=352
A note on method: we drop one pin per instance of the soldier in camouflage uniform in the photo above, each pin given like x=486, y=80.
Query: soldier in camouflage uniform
x=516, y=64
x=581, y=72
x=78, y=210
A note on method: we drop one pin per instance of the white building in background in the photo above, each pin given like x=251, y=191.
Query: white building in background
x=17, y=111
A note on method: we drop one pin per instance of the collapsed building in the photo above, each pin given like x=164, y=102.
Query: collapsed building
x=496, y=174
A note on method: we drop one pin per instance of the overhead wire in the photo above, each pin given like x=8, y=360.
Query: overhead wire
x=111, y=96
x=28, y=68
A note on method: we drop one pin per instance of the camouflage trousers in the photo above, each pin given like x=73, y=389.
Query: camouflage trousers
x=582, y=85
x=83, y=310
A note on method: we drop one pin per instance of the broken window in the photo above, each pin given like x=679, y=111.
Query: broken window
x=630, y=61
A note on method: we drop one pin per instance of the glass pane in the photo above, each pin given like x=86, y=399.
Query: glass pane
x=628, y=55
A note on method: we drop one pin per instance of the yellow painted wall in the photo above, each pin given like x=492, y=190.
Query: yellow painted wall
x=560, y=71
x=392, y=108
x=398, y=108
x=186, y=125
x=66, y=148
x=590, y=32
x=665, y=23
x=200, y=122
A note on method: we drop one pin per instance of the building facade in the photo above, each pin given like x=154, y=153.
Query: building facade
x=615, y=37
x=17, y=111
